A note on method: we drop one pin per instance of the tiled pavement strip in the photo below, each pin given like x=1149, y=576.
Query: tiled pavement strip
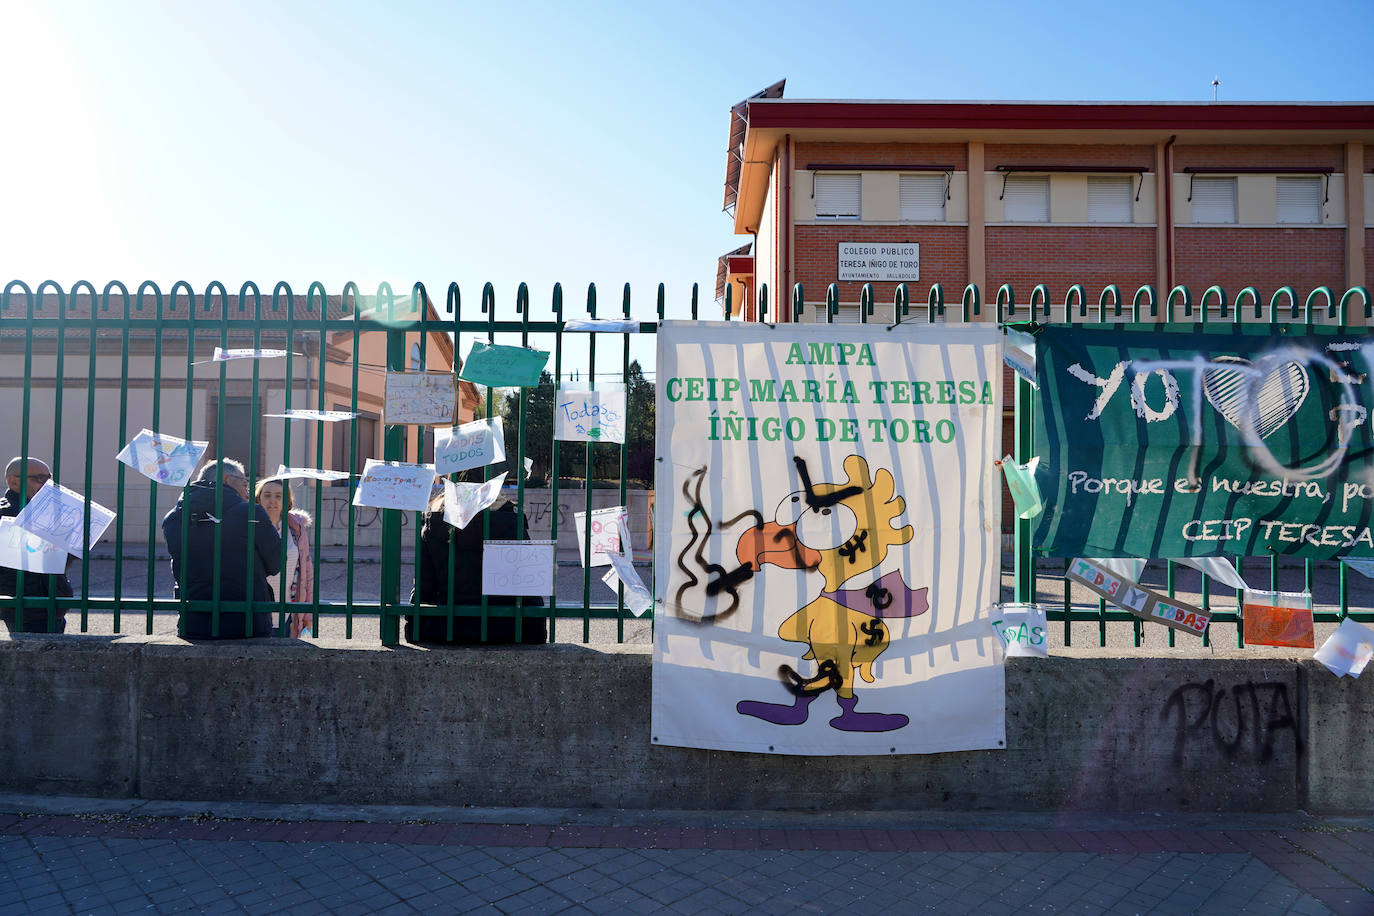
x=358, y=860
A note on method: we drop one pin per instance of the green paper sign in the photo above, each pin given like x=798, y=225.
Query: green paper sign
x=1025, y=492
x=499, y=366
x=1221, y=440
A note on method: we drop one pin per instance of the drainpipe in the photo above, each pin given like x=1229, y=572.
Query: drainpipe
x=309, y=366
x=1168, y=192
x=782, y=298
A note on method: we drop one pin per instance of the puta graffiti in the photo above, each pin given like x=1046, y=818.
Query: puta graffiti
x=1246, y=725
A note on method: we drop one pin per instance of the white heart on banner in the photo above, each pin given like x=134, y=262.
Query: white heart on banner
x=1277, y=398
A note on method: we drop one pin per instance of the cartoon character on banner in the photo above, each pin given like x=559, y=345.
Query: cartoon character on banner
x=842, y=531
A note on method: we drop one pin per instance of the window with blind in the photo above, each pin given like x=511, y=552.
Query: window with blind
x=1299, y=200
x=837, y=196
x=923, y=197
x=1214, y=200
x=1109, y=199
x=845, y=314
x=1026, y=199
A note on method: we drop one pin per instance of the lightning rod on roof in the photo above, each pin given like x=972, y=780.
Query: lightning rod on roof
x=1215, y=83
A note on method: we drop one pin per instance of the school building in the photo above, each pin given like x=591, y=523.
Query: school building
x=1132, y=193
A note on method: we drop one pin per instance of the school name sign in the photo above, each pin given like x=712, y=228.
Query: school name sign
x=753, y=409
x=1223, y=440
x=880, y=261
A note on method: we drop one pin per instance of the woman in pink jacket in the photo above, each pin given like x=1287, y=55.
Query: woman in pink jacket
x=299, y=572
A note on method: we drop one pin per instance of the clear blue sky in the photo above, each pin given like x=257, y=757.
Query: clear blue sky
x=532, y=141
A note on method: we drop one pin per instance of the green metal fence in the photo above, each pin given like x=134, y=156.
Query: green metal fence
x=98, y=329
x=50, y=325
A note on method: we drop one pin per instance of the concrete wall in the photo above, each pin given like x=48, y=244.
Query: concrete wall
x=569, y=726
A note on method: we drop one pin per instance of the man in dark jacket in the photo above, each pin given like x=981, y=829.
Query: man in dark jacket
x=243, y=526
x=36, y=585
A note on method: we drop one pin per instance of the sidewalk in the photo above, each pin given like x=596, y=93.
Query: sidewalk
x=96, y=856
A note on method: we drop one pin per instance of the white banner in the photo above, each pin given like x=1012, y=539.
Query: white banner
x=424, y=398
x=462, y=501
x=471, y=445
x=589, y=416
x=829, y=514
x=162, y=458
x=56, y=515
x=607, y=524
x=518, y=568
x=311, y=473
x=326, y=416
x=29, y=552
x=395, y=485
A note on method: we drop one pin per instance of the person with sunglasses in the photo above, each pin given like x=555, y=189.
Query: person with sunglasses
x=36, y=585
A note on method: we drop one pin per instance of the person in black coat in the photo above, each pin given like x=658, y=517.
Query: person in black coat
x=197, y=556
x=36, y=585
x=432, y=581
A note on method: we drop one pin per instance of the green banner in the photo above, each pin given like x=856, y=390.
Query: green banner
x=1215, y=440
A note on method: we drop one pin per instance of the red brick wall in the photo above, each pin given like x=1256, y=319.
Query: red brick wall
x=1263, y=258
x=955, y=154
x=1369, y=232
x=1368, y=259
x=944, y=259
x=995, y=154
x=1258, y=157
x=1061, y=256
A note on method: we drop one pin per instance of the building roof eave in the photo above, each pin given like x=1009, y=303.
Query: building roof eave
x=768, y=120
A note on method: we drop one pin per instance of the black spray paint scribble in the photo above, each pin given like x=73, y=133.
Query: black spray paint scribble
x=727, y=581
x=1204, y=713
x=827, y=678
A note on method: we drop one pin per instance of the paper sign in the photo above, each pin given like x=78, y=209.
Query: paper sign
x=606, y=527
x=1021, y=628
x=222, y=356
x=162, y=458
x=21, y=550
x=395, y=485
x=1139, y=600
x=423, y=398
x=1025, y=492
x=462, y=501
x=623, y=572
x=529, y=467
x=1347, y=650
x=471, y=445
x=517, y=568
x=1122, y=567
x=326, y=416
x=589, y=416
x=1364, y=567
x=617, y=325
x=55, y=514
x=1278, y=619
x=1019, y=354
x=312, y=473
x=498, y=366
x=1219, y=568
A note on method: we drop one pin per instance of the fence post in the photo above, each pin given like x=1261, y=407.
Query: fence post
x=393, y=449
